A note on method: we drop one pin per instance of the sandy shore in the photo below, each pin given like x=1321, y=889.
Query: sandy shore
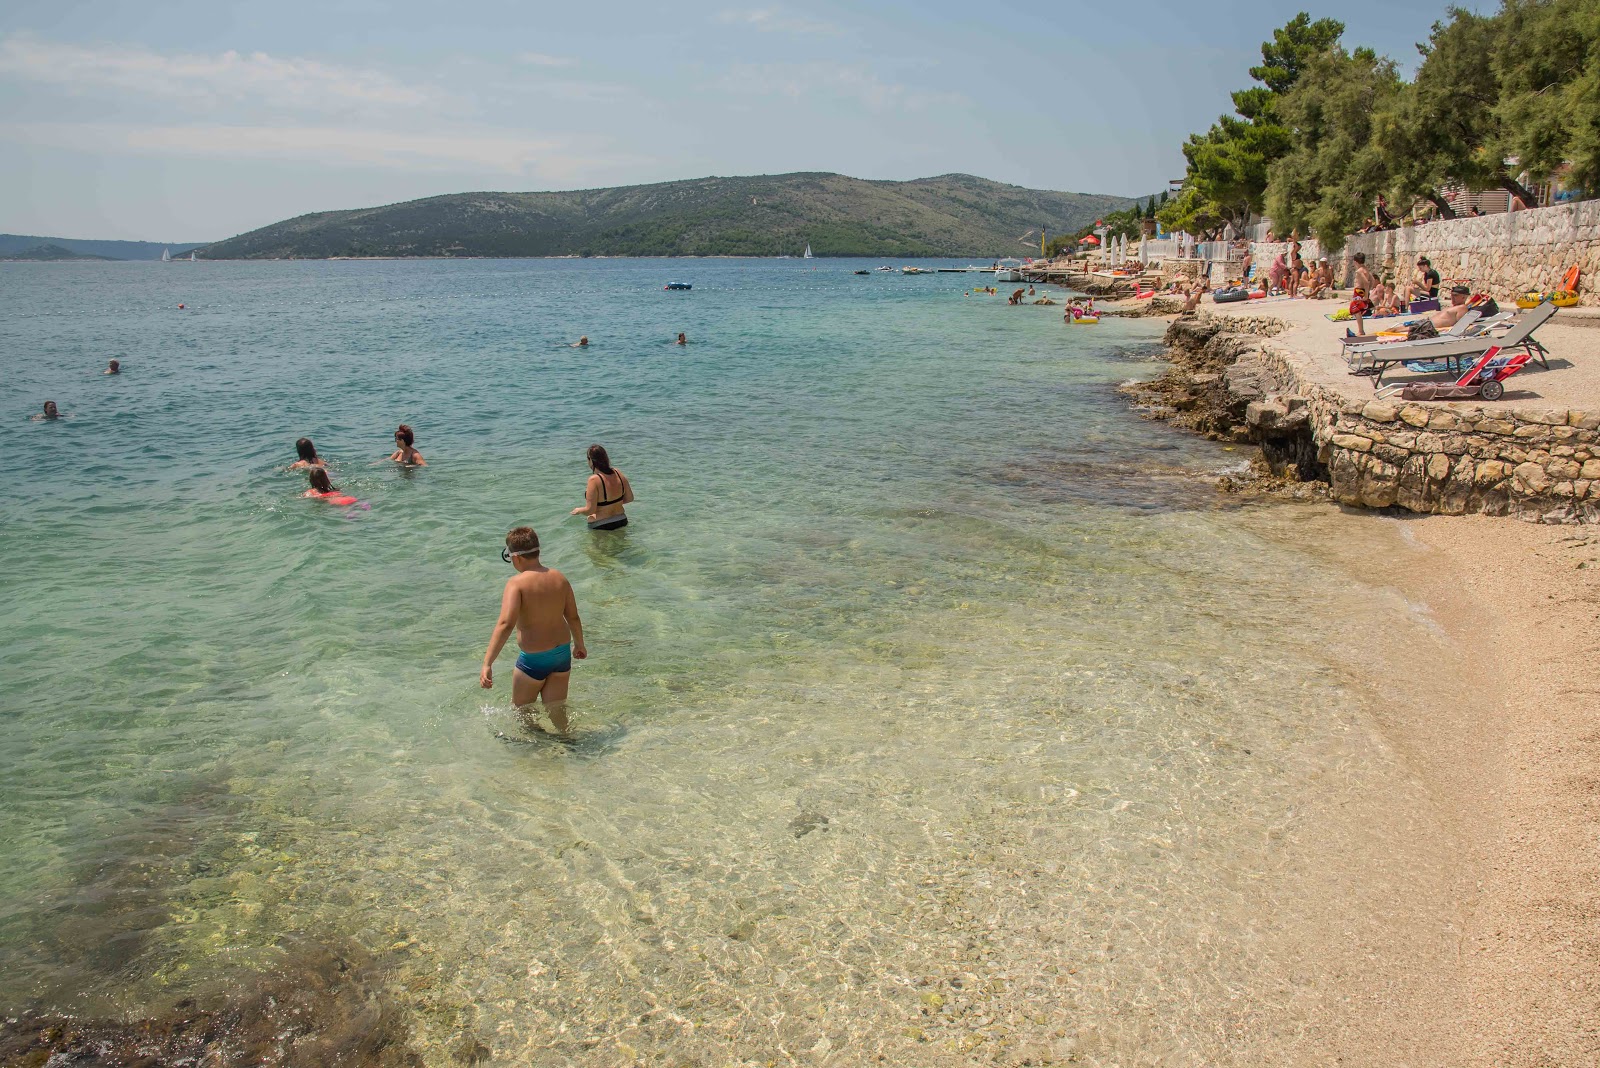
x=1502, y=732
x=1526, y=782
x=1515, y=769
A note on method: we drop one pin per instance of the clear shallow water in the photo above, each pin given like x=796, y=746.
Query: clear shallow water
x=934, y=708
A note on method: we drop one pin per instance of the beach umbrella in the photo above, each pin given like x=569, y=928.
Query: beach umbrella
x=1089, y=240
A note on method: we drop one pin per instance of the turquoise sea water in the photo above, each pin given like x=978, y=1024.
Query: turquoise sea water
x=935, y=707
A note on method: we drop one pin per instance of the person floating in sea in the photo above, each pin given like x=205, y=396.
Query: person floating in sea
x=605, y=493
x=683, y=339
x=322, y=488
x=405, y=451
x=582, y=342
x=50, y=412
x=308, y=455
x=538, y=601
x=112, y=368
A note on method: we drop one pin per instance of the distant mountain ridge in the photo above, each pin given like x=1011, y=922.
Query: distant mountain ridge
x=11, y=245
x=762, y=215
x=47, y=253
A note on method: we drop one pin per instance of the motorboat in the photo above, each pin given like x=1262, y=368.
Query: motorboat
x=863, y=272
x=886, y=268
x=915, y=270
x=1006, y=271
x=678, y=285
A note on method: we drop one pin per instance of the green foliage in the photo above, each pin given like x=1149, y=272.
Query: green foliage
x=1548, y=64
x=1228, y=164
x=1333, y=171
x=1293, y=48
x=767, y=215
x=1326, y=130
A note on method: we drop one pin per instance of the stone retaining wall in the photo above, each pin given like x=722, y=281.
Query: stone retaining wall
x=1448, y=458
x=1503, y=255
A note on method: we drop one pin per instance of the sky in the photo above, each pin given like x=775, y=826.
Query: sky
x=188, y=121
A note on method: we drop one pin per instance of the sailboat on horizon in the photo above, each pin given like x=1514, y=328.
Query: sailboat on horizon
x=191, y=256
x=166, y=255
x=807, y=255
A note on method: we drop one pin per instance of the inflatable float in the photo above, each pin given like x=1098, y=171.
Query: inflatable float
x=1231, y=295
x=1086, y=320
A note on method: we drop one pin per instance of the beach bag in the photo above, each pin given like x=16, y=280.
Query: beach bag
x=1423, y=329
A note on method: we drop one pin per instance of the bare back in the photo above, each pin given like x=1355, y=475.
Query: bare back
x=544, y=603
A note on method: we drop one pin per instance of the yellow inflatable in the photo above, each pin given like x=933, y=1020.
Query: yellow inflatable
x=1087, y=320
x=1531, y=299
x=1564, y=298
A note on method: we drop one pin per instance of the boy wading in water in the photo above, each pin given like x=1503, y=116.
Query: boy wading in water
x=538, y=602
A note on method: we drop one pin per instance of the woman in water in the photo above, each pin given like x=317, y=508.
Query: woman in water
x=607, y=491
x=50, y=411
x=405, y=451
x=308, y=455
x=323, y=488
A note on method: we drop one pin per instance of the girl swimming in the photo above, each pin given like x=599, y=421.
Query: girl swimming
x=308, y=455
x=322, y=488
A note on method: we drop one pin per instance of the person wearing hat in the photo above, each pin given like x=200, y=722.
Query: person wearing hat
x=1451, y=313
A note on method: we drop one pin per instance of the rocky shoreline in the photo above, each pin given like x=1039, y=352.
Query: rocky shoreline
x=1229, y=382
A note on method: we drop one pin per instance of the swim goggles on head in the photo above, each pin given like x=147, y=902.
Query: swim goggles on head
x=507, y=554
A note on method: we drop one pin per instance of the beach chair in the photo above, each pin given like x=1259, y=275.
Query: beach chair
x=1460, y=350
x=1363, y=342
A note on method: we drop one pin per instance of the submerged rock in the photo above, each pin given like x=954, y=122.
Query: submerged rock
x=318, y=1006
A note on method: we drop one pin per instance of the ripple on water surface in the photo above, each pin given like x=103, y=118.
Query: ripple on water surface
x=935, y=708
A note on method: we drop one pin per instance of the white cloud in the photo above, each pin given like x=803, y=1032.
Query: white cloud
x=539, y=59
x=775, y=20
x=304, y=84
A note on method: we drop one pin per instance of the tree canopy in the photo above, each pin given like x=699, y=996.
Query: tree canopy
x=1499, y=101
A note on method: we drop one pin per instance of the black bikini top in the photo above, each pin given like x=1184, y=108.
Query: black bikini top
x=621, y=490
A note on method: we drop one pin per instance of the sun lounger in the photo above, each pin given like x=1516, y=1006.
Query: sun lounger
x=1361, y=342
x=1383, y=358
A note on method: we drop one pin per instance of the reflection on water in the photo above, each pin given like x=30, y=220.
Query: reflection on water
x=937, y=710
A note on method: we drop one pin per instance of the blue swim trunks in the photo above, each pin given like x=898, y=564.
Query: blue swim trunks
x=542, y=665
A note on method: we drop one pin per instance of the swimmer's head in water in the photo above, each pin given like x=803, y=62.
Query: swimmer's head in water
x=320, y=481
x=521, y=542
x=50, y=410
x=584, y=340
x=114, y=366
x=599, y=459
x=306, y=450
x=404, y=435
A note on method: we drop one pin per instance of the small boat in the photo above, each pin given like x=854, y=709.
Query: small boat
x=886, y=268
x=863, y=272
x=807, y=254
x=166, y=255
x=1006, y=271
x=678, y=285
x=915, y=270
x=191, y=257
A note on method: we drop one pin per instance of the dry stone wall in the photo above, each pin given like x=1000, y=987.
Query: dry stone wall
x=1502, y=255
x=1447, y=458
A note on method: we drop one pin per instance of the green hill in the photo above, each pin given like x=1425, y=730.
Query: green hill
x=48, y=252
x=16, y=246
x=765, y=215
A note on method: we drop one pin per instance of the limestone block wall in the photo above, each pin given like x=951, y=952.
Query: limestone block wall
x=1502, y=254
x=1453, y=458
x=1449, y=458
